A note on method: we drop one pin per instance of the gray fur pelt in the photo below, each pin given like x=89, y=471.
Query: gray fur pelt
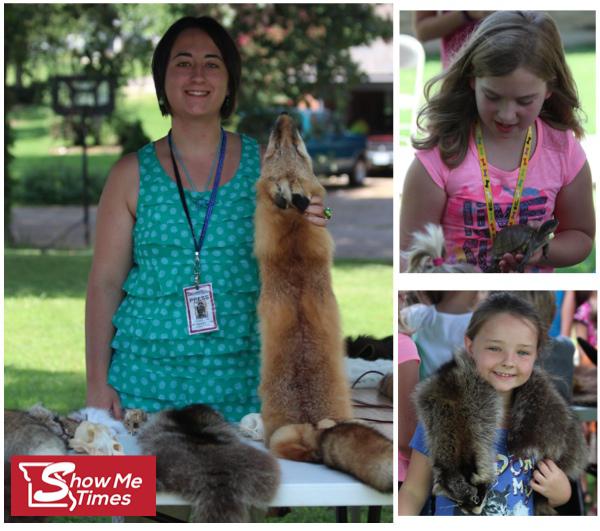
x=37, y=431
x=460, y=412
x=201, y=457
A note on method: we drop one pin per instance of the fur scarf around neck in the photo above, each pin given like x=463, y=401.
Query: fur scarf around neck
x=460, y=412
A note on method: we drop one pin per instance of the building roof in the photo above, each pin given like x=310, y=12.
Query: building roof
x=375, y=60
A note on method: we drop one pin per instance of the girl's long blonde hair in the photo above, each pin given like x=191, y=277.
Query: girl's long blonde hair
x=504, y=41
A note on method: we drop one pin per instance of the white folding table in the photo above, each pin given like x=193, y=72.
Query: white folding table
x=308, y=484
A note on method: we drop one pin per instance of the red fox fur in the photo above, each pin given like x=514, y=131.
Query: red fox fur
x=302, y=374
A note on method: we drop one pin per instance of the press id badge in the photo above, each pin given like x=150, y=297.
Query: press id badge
x=200, y=309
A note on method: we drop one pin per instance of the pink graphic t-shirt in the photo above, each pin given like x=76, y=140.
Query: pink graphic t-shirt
x=557, y=159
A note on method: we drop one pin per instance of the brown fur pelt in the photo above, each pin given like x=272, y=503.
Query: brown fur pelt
x=303, y=379
x=201, y=457
x=585, y=385
x=302, y=373
x=460, y=412
x=349, y=446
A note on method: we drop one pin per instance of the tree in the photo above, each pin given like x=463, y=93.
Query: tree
x=290, y=50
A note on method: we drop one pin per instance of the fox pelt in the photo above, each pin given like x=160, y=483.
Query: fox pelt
x=351, y=446
x=201, y=457
x=302, y=372
x=460, y=412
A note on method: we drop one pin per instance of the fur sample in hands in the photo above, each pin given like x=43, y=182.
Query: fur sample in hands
x=303, y=379
x=460, y=413
x=201, y=457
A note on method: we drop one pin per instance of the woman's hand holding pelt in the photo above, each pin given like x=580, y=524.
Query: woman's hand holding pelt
x=315, y=212
x=103, y=396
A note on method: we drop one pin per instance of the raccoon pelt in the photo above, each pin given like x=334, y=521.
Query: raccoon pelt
x=460, y=412
x=370, y=348
x=427, y=253
x=303, y=379
x=350, y=446
x=37, y=431
x=201, y=457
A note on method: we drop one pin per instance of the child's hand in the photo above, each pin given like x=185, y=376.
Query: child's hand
x=510, y=262
x=551, y=482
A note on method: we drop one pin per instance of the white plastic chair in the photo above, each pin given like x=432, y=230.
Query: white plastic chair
x=412, y=55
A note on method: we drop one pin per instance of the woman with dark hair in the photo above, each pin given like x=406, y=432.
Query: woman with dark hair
x=171, y=302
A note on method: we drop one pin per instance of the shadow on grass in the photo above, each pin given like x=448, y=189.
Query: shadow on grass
x=62, y=392
x=32, y=273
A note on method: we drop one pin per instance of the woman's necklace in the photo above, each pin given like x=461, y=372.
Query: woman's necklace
x=186, y=172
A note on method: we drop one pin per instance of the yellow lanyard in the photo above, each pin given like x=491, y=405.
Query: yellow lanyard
x=485, y=177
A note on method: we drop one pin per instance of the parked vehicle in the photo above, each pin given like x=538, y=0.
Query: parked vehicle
x=380, y=154
x=333, y=149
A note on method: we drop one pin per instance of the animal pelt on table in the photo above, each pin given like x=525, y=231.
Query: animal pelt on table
x=37, y=431
x=351, y=446
x=302, y=373
x=40, y=431
x=460, y=412
x=34, y=432
x=370, y=348
x=201, y=457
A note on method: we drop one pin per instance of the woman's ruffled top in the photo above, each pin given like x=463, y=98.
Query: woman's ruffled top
x=156, y=363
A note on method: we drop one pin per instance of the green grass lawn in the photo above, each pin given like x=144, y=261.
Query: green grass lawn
x=44, y=321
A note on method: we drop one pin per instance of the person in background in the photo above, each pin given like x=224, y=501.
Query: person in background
x=453, y=27
x=408, y=377
x=439, y=325
x=585, y=322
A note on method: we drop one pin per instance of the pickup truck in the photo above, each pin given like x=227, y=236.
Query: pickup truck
x=334, y=150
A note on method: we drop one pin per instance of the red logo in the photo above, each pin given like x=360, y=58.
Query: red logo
x=59, y=485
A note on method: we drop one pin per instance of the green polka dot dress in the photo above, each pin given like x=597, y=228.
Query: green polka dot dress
x=155, y=363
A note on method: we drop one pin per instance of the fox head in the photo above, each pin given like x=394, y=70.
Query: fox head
x=286, y=160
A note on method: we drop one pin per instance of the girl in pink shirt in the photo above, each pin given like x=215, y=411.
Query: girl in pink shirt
x=509, y=87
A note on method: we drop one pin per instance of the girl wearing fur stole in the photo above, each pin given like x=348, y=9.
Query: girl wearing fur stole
x=494, y=435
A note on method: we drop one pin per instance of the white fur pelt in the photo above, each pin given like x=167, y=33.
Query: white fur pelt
x=96, y=415
x=427, y=246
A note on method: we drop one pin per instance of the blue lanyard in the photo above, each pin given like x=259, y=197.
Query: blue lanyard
x=211, y=202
